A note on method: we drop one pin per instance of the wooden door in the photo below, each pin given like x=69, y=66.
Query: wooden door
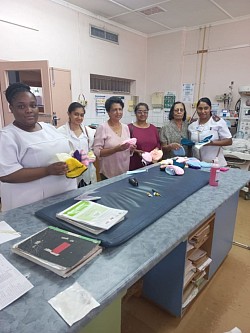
x=33, y=73
x=61, y=93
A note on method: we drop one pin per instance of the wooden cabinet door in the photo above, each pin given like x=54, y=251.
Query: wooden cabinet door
x=61, y=93
x=33, y=73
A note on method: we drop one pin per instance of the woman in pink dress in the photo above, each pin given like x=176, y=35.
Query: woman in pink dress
x=146, y=134
x=109, y=146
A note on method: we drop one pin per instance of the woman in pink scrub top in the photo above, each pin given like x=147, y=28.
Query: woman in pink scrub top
x=109, y=146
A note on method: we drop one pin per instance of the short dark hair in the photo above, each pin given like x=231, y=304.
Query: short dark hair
x=75, y=105
x=16, y=88
x=113, y=100
x=171, y=112
x=204, y=100
x=141, y=104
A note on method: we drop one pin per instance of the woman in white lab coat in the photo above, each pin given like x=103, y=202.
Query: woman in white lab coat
x=81, y=137
x=205, y=126
x=29, y=169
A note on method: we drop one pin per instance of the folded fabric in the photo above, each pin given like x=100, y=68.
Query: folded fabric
x=174, y=170
x=187, y=142
x=179, y=152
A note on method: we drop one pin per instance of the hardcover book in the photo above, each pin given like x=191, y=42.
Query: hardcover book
x=58, y=250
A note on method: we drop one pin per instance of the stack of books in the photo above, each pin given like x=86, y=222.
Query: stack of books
x=197, y=263
x=200, y=259
x=60, y=251
x=190, y=271
x=91, y=216
x=200, y=236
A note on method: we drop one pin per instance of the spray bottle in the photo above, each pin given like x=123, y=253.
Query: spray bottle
x=214, y=173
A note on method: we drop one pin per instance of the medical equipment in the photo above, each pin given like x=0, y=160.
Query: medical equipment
x=238, y=156
x=244, y=114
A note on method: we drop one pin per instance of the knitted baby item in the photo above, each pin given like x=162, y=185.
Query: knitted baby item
x=131, y=141
x=187, y=142
x=146, y=158
x=174, y=170
x=203, y=142
x=75, y=168
x=156, y=155
x=81, y=156
x=179, y=152
x=167, y=161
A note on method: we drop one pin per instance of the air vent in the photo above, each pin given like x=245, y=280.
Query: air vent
x=152, y=11
x=110, y=84
x=104, y=34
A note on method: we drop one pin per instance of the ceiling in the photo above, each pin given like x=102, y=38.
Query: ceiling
x=152, y=17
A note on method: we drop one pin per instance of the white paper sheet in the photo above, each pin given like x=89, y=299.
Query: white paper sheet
x=12, y=283
x=7, y=233
x=73, y=303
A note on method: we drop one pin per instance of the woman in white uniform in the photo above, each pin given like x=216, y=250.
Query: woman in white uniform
x=29, y=169
x=81, y=138
x=205, y=126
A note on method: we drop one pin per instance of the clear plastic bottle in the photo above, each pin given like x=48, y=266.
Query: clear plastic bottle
x=214, y=173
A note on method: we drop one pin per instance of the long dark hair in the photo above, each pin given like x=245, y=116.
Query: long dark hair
x=75, y=105
x=204, y=100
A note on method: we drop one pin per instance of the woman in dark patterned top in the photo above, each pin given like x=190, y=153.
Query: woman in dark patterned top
x=174, y=130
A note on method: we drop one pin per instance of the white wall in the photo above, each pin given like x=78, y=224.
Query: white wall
x=173, y=60
x=160, y=63
x=63, y=39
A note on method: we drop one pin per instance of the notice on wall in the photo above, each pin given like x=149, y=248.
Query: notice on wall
x=187, y=93
x=100, y=104
x=169, y=99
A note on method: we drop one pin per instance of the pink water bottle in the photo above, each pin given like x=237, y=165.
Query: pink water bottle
x=214, y=173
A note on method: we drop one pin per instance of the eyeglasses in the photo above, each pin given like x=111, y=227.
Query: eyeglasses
x=142, y=112
x=178, y=110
